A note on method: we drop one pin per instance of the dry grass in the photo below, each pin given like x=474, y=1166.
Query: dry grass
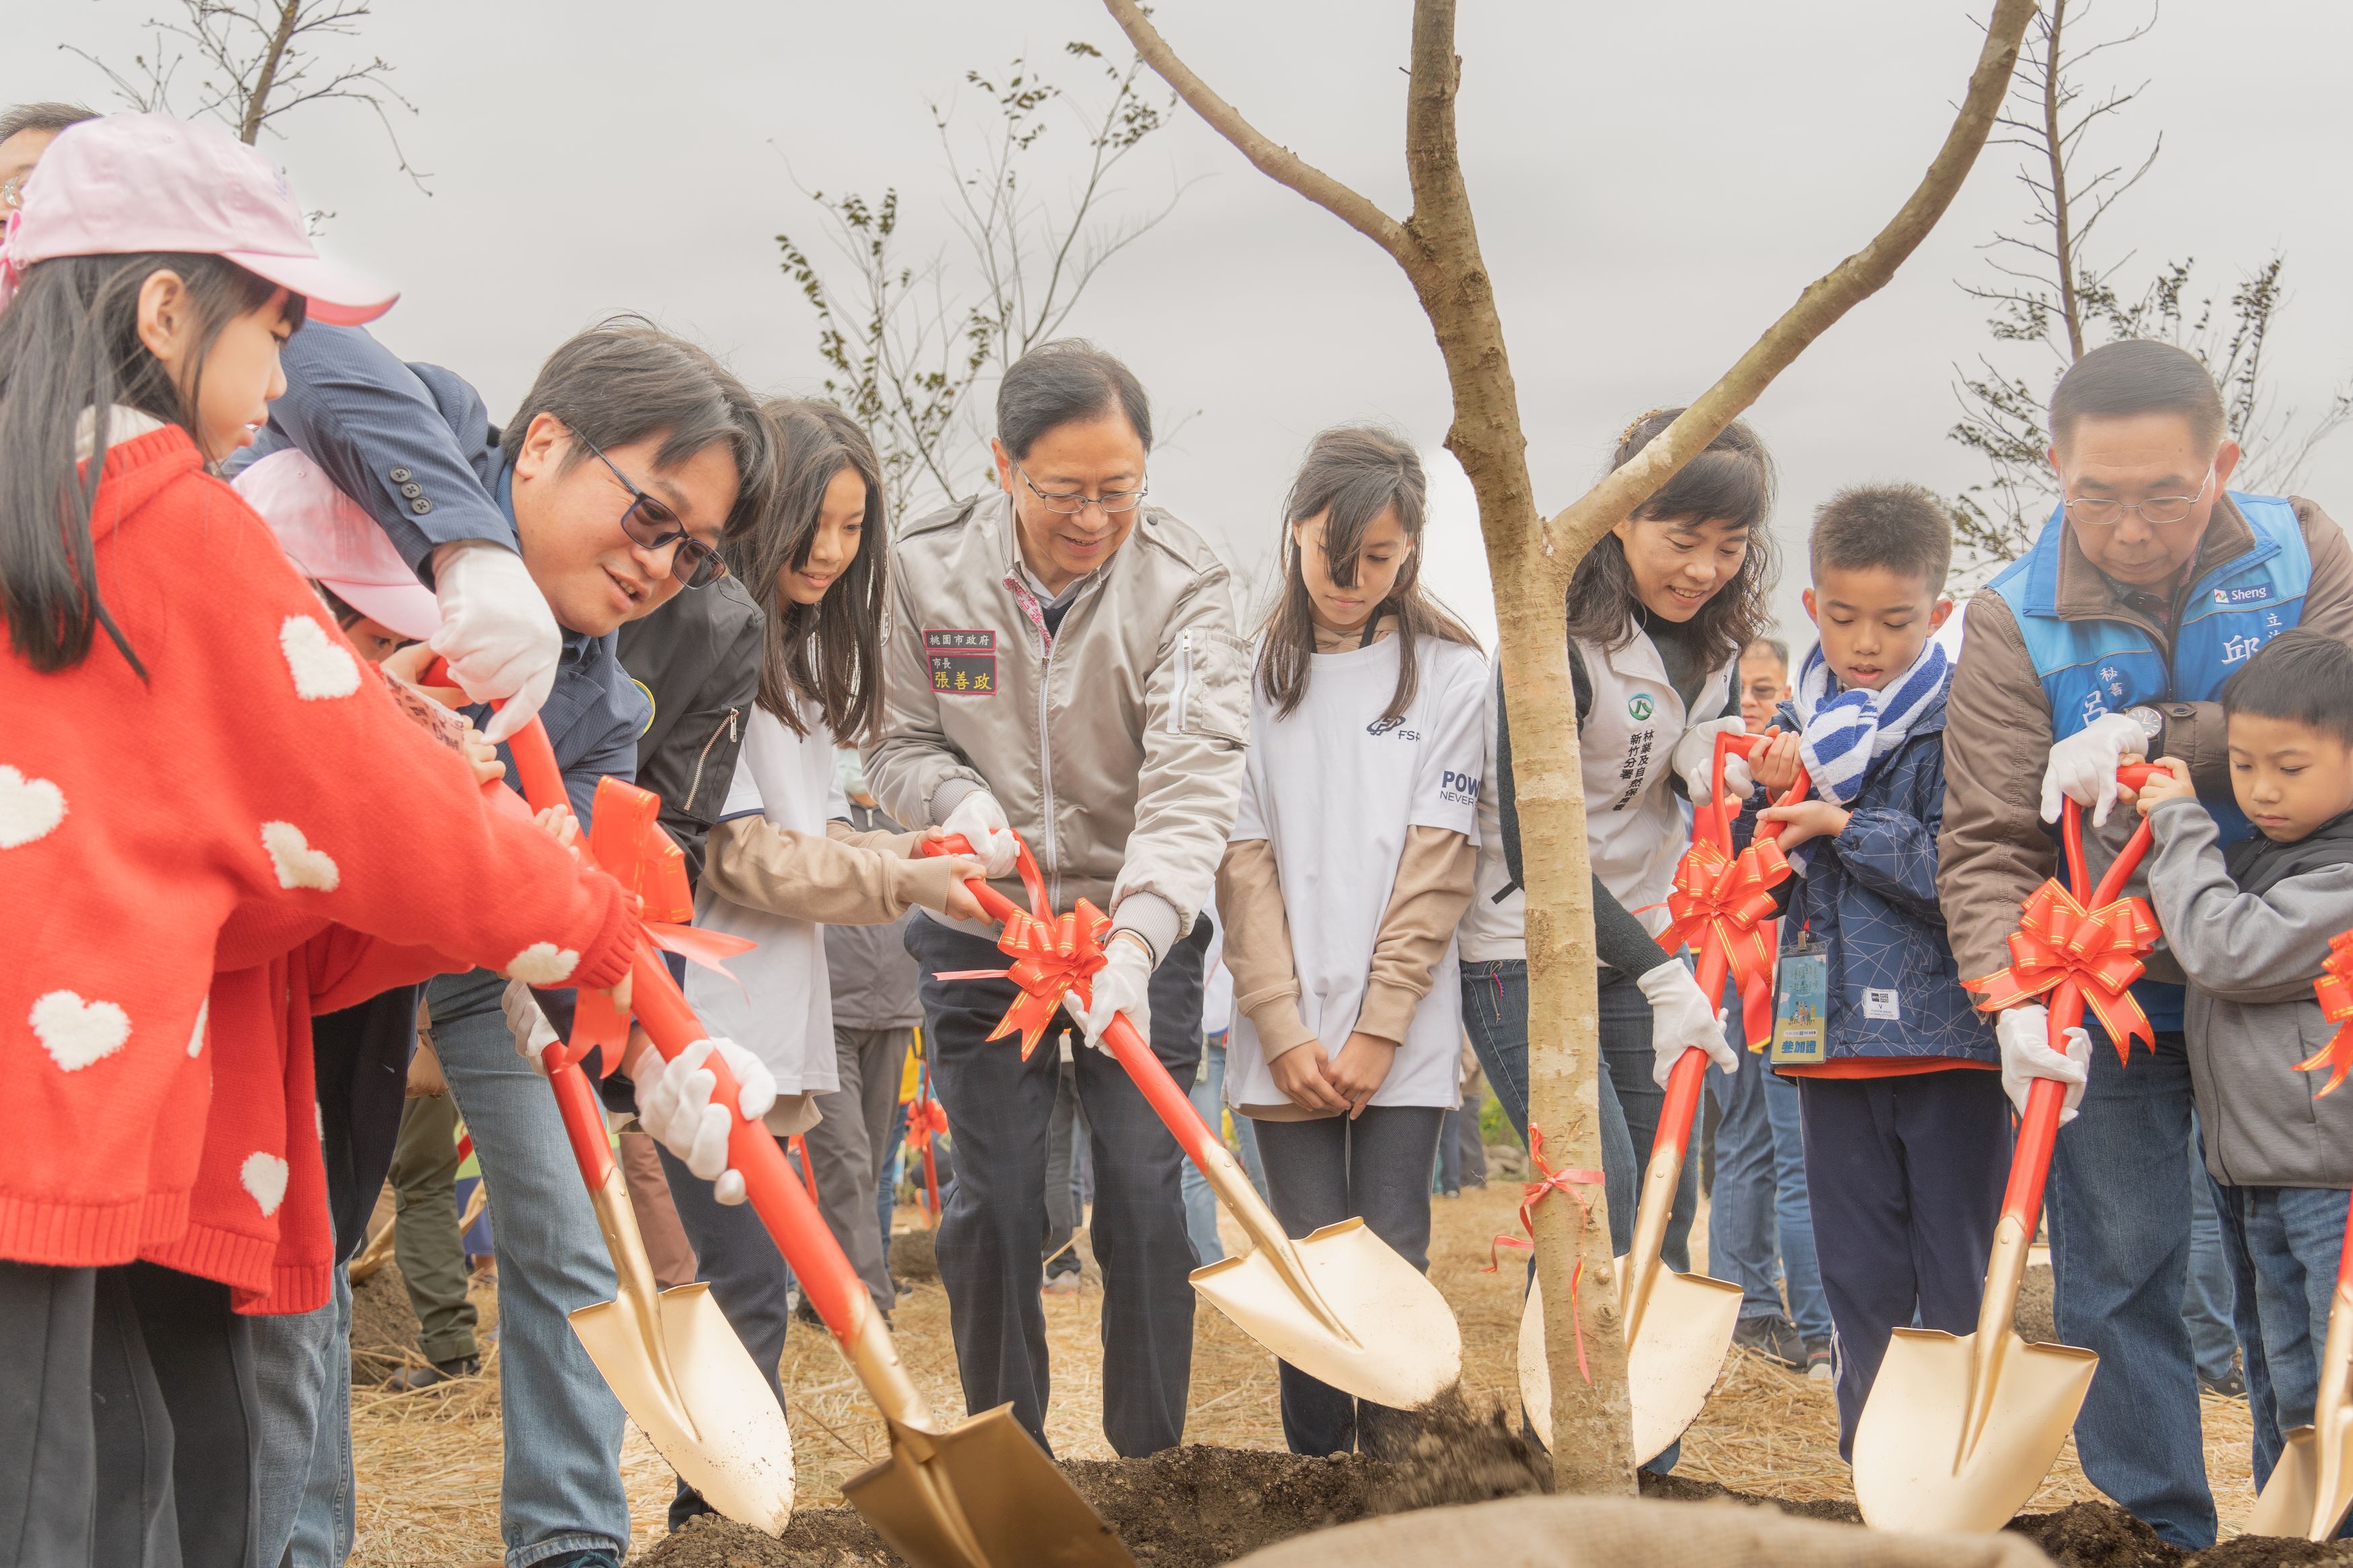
x=428, y=1463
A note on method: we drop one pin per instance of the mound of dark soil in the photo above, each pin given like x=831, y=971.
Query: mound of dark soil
x=2101, y=1535
x=912, y=1257
x=383, y=1327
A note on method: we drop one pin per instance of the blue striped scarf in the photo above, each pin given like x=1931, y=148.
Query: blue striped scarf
x=1848, y=730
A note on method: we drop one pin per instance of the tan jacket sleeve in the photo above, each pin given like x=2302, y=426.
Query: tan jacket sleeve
x=1993, y=851
x=814, y=877
x=1432, y=889
x=1258, y=946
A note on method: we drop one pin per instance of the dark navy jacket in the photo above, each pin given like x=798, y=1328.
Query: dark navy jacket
x=1869, y=903
x=414, y=445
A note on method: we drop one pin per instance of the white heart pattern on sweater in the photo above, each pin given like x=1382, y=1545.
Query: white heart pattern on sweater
x=29, y=809
x=197, y=1034
x=299, y=864
x=77, y=1033
x=264, y=1175
x=322, y=666
x=543, y=964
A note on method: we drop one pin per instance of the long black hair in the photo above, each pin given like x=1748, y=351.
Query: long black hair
x=828, y=653
x=1731, y=479
x=1351, y=475
x=70, y=343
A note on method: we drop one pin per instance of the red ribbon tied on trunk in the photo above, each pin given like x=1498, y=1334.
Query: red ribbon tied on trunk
x=2058, y=939
x=1532, y=1193
x=1051, y=958
x=2334, y=991
x=627, y=841
x=1728, y=899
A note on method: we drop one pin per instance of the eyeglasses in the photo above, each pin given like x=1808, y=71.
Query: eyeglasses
x=1112, y=502
x=652, y=525
x=2106, y=511
x=12, y=193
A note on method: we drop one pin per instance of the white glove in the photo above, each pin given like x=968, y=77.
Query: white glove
x=2024, y=1032
x=532, y=1033
x=496, y=632
x=1683, y=1015
x=982, y=821
x=2083, y=767
x=674, y=1106
x=1124, y=984
x=1693, y=760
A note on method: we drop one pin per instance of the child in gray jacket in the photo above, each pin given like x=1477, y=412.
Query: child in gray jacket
x=2250, y=920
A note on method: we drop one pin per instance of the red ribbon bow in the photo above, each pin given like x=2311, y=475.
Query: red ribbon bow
x=2058, y=939
x=1051, y=958
x=926, y=1119
x=2334, y=991
x=1532, y=1193
x=1729, y=899
x=628, y=842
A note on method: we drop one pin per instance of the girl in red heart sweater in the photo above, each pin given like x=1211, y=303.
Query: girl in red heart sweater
x=186, y=737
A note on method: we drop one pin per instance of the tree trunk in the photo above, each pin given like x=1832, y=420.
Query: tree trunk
x=265, y=78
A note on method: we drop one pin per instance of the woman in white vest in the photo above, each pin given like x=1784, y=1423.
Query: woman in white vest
x=1657, y=612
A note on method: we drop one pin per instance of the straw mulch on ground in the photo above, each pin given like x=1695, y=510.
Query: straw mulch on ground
x=428, y=1463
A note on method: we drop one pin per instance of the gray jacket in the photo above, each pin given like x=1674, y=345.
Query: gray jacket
x=2251, y=958
x=1115, y=745
x=872, y=975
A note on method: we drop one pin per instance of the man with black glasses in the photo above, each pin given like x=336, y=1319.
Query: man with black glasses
x=2151, y=583
x=601, y=502
x=1064, y=663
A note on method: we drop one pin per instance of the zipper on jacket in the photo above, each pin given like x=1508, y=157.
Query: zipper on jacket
x=694, y=785
x=1177, y=709
x=1053, y=866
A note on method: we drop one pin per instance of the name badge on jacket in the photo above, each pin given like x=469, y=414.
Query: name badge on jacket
x=963, y=661
x=1801, y=987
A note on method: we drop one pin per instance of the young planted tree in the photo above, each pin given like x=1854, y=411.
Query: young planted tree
x=2051, y=288
x=1529, y=558
x=257, y=61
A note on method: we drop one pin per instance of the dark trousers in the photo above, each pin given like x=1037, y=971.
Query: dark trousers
x=1905, y=1177
x=998, y=1107
x=1319, y=1173
x=130, y=1393
x=1627, y=1055
x=845, y=1147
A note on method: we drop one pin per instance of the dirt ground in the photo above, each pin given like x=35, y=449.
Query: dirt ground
x=428, y=1463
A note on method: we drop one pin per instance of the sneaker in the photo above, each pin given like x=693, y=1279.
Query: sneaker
x=1062, y=1285
x=806, y=1312
x=410, y=1379
x=901, y=1289
x=2231, y=1385
x=1772, y=1338
x=1820, y=1365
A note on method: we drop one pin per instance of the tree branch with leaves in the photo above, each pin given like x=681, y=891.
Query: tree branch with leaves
x=1530, y=558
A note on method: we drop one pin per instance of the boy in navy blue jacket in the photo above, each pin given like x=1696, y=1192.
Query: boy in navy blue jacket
x=1906, y=1127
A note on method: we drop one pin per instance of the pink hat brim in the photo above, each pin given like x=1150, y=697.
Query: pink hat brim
x=408, y=608
x=332, y=295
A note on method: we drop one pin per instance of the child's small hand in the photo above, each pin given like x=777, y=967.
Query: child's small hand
x=558, y=822
x=407, y=665
x=1775, y=765
x=1301, y=1075
x=1357, y=1073
x=480, y=754
x=1806, y=819
x=2172, y=783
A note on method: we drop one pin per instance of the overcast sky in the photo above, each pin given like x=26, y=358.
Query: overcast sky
x=1653, y=185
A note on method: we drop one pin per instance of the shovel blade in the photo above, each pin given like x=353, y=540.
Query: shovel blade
x=739, y=1453
x=983, y=1496
x=1910, y=1471
x=1670, y=1367
x=1403, y=1347
x=2299, y=1499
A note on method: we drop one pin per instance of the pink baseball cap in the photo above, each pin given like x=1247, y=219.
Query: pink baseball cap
x=332, y=540
x=132, y=182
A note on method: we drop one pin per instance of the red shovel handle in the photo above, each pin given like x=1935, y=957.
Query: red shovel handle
x=543, y=781
x=2038, y=1129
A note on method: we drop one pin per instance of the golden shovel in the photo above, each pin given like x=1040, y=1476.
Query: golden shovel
x=1959, y=1430
x=2313, y=1482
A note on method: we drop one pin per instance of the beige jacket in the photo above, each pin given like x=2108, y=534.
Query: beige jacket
x=1115, y=747
x=1994, y=850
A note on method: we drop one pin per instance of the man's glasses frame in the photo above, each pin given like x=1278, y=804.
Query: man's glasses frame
x=2106, y=511
x=652, y=525
x=1114, y=503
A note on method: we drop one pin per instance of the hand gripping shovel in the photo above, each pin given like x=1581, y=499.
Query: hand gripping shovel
x=2313, y=1482
x=669, y=1356
x=1960, y=1430
x=1678, y=1326
x=1340, y=1304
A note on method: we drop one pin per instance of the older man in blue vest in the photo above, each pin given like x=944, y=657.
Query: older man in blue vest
x=2149, y=585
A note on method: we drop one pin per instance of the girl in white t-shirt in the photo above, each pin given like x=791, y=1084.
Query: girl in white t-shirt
x=1351, y=862
x=783, y=862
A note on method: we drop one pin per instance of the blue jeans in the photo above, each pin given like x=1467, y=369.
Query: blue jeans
x=561, y=1492
x=886, y=1193
x=302, y=1373
x=1209, y=1099
x=2118, y=1203
x=1760, y=1208
x=2283, y=1244
x=2207, y=1306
